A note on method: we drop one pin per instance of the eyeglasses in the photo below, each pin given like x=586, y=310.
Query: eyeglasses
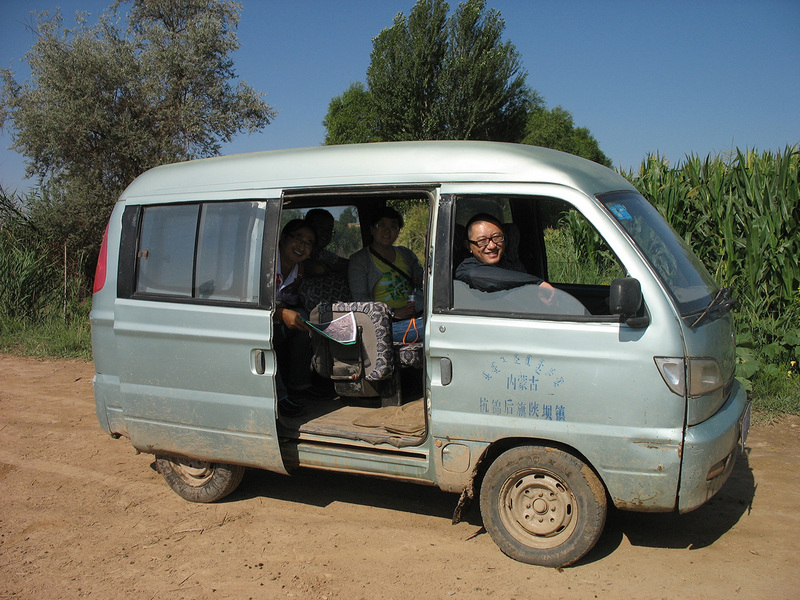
x=301, y=241
x=497, y=238
x=390, y=226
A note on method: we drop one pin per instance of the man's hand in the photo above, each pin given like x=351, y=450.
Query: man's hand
x=547, y=293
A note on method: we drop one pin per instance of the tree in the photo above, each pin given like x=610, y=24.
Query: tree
x=404, y=73
x=556, y=129
x=104, y=105
x=437, y=77
x=483, y=80
x=351, y=118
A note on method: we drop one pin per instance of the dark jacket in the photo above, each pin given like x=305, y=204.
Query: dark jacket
x=492, y=278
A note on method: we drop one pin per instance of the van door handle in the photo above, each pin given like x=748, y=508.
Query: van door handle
x=446, y=368
x=260, y=362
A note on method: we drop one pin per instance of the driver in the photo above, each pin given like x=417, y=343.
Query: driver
x=487, y=269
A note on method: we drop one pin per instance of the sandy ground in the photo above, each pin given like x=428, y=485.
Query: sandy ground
x=83, y=516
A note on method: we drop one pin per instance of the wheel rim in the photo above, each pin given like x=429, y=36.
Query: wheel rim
x=538, y=509
x=194, y=472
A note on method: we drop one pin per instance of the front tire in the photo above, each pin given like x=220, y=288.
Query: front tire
x=542, y=506
x=199, y=480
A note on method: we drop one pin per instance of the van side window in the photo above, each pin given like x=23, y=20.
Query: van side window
x=166, y=250
x=575, y=252
x=543, y=239
x=203, y=251
x=228, y=249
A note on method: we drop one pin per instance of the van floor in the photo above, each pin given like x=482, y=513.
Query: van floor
x=361, y=419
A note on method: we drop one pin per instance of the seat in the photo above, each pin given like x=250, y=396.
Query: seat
x=525, y=299
x=333, y=287
x=370, y=366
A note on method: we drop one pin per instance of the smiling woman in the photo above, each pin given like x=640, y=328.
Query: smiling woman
x=293, y=351
x=390, y=274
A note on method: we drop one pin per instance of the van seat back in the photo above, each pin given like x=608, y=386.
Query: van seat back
x=332, y=287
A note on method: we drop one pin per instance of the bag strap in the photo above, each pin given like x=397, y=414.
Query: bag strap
x=392, y=266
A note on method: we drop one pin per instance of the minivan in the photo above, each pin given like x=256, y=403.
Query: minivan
x=619, y=390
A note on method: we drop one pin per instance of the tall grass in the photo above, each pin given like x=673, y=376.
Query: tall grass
x=41, y=310
x=50, y=336
x=26, y=278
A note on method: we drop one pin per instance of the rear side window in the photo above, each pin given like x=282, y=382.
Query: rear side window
x=166, y=250
x=201, y=251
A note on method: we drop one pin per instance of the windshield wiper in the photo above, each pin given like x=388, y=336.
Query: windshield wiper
x=723, y=301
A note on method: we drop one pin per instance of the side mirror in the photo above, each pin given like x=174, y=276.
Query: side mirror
x=625, y=300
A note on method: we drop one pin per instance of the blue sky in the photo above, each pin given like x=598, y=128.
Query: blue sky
x=674, y=77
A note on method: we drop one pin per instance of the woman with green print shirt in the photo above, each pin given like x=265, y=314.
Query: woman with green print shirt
x=392, y=274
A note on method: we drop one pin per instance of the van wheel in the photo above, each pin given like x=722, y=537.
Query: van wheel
x=198, y=480
x=542, y=506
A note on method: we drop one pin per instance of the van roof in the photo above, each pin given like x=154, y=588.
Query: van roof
x=425, y=163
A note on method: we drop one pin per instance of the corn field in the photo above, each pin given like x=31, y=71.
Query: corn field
x=741, y=215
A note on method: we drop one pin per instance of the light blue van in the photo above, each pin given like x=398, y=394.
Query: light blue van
x=616, y=387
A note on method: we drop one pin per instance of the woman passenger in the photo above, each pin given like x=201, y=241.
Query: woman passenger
x=392, y=274
x=290, y=339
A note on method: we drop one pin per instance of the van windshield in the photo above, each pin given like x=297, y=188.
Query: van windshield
x=684, y=276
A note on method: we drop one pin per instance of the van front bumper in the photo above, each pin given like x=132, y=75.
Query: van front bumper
x=710, y=449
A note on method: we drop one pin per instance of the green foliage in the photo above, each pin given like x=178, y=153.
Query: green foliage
x=414, y=233
x=437, y=77
x=482, y=78
x=346, y=234
x=351, y=118
x=39, y=314
x=434, y=77
x=403, y=75
x=741, y=216
x=556, y=129
x=346, y=239
x=774, y=395
x=26, y=279
x=103, y=105
x=568, y=260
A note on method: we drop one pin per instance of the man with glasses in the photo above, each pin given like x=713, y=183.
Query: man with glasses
x=487, y=268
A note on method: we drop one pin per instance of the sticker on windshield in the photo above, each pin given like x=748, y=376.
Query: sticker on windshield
x=619, y=211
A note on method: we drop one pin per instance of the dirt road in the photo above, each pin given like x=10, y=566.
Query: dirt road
x=83, y=516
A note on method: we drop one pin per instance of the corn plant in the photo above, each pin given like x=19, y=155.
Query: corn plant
x=741, y=216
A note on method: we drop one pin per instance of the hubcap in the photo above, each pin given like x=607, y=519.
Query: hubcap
x=538, y=509
x=194, y=472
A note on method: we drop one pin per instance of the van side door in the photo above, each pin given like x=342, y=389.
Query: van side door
x=554, y=366
x=193, y=329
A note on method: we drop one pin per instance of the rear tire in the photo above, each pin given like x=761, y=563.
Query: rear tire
x=542, y=506
x=199, y=480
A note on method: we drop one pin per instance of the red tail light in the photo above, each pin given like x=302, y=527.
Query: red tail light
x=100, y=271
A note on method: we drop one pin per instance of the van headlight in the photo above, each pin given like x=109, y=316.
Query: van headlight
x=704, y=375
